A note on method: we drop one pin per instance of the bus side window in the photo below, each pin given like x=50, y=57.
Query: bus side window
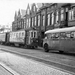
x=67, y=35
x=72, y=35
x=52, y=36
x=62, y=35
x=57, y=35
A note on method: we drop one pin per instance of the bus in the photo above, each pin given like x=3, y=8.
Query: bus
x=60, y=39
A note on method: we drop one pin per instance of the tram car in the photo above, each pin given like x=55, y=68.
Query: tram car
x=2, y=38
x=62, y=40
x=23, y=38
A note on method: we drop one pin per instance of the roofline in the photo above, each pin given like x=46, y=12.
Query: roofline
x=58, y=30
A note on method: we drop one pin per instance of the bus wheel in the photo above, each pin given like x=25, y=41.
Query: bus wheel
x=46, y=48
x=61, y=52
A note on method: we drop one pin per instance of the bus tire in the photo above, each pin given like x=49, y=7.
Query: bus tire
x=46, y=48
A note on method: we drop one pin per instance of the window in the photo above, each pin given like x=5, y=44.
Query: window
x=31, y=34
x=32, y=22
x=22, y=33
x=52, y=35
x=29, y=22
x=72, y=35
x=62, y=35
x=34, y=34
x=48, y=19
x=57, y=17
x=49, y=36
x=67, y=35
x=38, y=20
x=43, y=18
x=62, y=14
x=35, y=20
x=19, y=34
x=57, y=35
x=24, y=23
x=72, y=14
x=52, y=18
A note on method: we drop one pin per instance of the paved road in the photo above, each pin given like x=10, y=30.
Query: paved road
x=58, y=60
x=24, y=66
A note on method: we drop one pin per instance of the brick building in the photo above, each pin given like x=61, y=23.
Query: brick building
x=48, y=16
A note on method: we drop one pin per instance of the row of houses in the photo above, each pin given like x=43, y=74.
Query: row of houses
x=48, y=16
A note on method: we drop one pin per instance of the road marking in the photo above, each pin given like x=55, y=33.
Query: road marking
x=9, y=69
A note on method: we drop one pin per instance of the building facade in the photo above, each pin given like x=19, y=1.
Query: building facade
x=48, y=16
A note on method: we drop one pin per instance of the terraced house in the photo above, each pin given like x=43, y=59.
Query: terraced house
x=48, y=16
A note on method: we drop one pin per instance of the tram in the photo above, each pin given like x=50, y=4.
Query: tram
x=62, y=40
x=2, y=38
x=20, y=38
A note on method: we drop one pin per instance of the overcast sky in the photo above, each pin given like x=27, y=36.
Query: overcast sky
x=8, y=8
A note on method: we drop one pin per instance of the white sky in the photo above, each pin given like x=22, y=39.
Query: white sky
x=8, y=8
